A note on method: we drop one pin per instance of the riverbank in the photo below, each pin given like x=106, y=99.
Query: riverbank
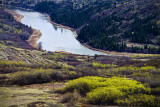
x=126, y=54
x=85, y=44
x=90, y=47
x=36, y=33
x=63, y=26
x=111, y=52
x=16, y=16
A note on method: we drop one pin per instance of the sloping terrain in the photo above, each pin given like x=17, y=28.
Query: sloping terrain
x=12, y=32
x=37, y=78
x=128, y=25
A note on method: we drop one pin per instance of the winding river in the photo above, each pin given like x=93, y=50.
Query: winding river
x=54, y=38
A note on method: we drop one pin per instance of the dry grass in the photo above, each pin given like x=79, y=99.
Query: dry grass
x=21, y=96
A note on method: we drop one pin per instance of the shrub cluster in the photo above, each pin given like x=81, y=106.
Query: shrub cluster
x=26, y=77
x=99, y=65
x=40, y=76
x=14, y=66
x=152, y=78
x=100, y=90
x=4, y=64
x=138, y=100
x=130, y=70
x=146, y=56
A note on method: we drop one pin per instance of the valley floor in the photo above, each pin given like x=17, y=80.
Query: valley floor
x=35, y=78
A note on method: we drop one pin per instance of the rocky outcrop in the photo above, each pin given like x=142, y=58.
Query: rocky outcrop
x=18, y=54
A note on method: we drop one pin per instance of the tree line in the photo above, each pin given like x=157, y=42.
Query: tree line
x=105, y=31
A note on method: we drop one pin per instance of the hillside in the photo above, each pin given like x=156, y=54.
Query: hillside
x=131, y=26
x=12, y=32
x=35, y=78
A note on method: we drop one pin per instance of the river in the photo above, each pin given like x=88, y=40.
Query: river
x=54, y=38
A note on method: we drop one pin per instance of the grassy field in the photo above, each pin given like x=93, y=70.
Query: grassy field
x=25, y=96
x=100, y=80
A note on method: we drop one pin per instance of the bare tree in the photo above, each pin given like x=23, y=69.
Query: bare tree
x=40, y=46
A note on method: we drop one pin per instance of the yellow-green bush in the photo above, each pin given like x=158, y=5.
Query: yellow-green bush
x=99, y=65
x=36, y=76
x=145, y=56
x=104, y=95
x=67, y=67
x=14, y=66
x=138, y=100
x=130, y=70
x=87, y=84
x=55, y=56
x=82, y=85
x=4, y=63
x=73, y=75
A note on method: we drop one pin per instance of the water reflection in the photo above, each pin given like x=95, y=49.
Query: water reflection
x=54, y=38
x=55, y=27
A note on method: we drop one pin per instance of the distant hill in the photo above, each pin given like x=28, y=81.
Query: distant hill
x=128, y=25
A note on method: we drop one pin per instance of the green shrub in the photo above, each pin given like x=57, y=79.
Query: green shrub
x=7, y=27
x=37, y=76
x=130, y=70
x=158, y=89
x=138, y=100
x=55, y=56
x=26, y=77
x=153, y=79
x=71, y=97
x=155, y=91
x=104, y=95
x=100, y=90
x=99, y=65
x=87, y=84
x=146, y=56
x=66, y=98
x=81, y=85
x=67, y=67
x=12, y=66
x=73, y=75
x=4, y=64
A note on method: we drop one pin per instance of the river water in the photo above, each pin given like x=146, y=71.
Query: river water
x=54, y=38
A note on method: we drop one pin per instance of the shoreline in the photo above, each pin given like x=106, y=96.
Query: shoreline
x=127, y=54
x=16, y=16
x=36, y=33
x=63, y=26
x=90, y=47
x=110, y=52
